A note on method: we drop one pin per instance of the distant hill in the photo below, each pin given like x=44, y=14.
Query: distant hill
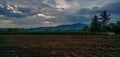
x=62, y=27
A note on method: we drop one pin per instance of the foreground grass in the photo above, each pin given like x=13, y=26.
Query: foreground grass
x=114, y=49
x=6, y=49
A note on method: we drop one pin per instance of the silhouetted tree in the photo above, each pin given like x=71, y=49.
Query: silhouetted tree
x=105, y=17
x=95, y=24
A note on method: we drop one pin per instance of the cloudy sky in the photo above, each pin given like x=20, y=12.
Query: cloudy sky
x=46, y=13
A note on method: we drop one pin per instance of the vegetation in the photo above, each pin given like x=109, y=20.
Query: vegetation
x=95, y=24
x=103, y=24
x=60, y=32
x=105, y=17
x=116, y=27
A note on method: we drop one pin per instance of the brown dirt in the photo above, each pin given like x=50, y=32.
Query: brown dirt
x=60, y=45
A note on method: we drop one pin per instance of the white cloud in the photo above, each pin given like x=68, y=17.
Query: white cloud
x=49, y=23
x=46, y=22
x=2, y=16
x=46, y=16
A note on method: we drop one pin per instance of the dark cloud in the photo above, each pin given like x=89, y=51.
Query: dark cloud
x=65, y=11
x=8, y=13
x=79, y=19
x=113, y=8
x=19, y=13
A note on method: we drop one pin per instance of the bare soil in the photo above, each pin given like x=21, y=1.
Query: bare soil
x=58, y=45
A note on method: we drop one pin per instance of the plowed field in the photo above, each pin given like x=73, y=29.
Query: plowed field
x=56, y=46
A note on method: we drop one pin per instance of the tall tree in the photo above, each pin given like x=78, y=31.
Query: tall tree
x=95, y=24
x=105, y=18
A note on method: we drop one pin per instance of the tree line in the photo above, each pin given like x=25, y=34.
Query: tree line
x=102, y=23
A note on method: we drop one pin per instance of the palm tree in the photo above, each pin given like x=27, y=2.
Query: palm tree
x=105, y=21
x=105, y=18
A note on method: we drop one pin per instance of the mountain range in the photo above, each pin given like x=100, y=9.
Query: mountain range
x=62, y=27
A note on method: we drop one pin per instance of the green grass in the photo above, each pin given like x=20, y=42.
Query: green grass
x=6, y=49
x=25, y=32
x=113, y=49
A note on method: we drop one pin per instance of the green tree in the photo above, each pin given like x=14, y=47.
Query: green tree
x=117, y=27
x=111, y=27
x=86, y=29
x=95, y=24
